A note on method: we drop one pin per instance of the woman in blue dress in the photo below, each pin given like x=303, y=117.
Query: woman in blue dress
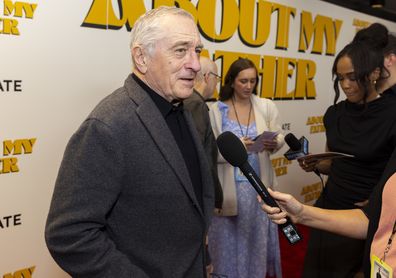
x=242, y=240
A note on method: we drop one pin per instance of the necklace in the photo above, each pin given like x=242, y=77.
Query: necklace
x=237, y=118
x=389, y=244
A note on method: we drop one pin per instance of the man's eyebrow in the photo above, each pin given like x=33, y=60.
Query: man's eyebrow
x=181, y=43
x=187, y=43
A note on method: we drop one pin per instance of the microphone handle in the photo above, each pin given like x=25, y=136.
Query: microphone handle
x=288, y=228
x=316, y=171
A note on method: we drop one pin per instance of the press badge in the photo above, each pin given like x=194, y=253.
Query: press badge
x=380, y=269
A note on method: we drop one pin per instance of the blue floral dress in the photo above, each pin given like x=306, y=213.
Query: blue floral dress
x=246, y=245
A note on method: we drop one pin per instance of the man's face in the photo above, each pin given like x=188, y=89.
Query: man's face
x=172, y=68
x=211, y=82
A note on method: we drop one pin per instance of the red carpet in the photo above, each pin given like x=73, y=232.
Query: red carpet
x=292, y=256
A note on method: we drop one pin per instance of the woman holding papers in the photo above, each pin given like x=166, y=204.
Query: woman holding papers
x=243, y=242
x=364, y=126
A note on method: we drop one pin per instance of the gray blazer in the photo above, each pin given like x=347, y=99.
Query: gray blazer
x=123, y=203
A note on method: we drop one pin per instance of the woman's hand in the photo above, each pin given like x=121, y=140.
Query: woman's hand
x=267, y=144
x=270, y=144
x=307, y=164
x=289, y=207
x=247, y=142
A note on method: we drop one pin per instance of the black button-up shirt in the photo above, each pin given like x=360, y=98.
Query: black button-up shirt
x=173, y=115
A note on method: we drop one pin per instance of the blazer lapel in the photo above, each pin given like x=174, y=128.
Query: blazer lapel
x=162, y=136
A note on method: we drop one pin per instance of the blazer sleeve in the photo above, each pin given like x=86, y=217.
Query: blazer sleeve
x=87, y=187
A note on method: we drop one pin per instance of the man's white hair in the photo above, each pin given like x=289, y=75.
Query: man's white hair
x=147, y=30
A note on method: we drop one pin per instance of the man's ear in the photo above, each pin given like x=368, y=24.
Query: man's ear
x=206, y=77
x=139, y=58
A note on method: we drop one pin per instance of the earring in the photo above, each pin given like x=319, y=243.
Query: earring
x=374, y=82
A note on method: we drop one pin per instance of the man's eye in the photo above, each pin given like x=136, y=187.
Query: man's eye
x=181, y=50
x=198, y=50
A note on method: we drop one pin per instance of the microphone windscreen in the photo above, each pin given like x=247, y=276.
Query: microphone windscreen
x=293, y=143
x=232, y=149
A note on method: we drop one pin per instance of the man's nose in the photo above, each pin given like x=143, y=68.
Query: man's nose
x=194, y=63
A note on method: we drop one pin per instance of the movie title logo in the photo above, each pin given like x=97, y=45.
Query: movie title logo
x=311, y=192
x=10, y=86
x=315, y=124
x=360, y=24
x=280, y=165
x=12, y=150
x=13, y=12
x=286, y=78
x=22, y=273
x=10, y=221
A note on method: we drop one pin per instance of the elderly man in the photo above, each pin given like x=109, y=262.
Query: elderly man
x=134, y=194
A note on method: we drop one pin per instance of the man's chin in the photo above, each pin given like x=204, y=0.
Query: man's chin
x=186, y=93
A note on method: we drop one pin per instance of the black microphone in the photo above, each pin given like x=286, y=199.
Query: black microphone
x=233, y=150
x=298, y=148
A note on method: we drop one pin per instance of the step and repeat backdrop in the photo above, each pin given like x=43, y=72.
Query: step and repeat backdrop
x=59, y=58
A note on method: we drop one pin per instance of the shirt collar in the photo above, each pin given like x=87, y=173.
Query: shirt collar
x=164, y=106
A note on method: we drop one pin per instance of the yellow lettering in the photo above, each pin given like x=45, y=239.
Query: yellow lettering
x=247, y=25
x=282, y=36
x=360, y=24
x=311, y=196
x=268, y=87
x=9, y=26
x=305, y=74
x=207, y=20
x=280, y=161
x=102, y=15
x=19, y=9
x=310, y=188
x=276, y=162
x=277, y=73
x=9, y=165
x=183, y=4
x=281, y=171
x=317, y=129
x=16, y=146
x=228, y=58
x=284, y=71
x=323, y=27
x=23, y=273
x=315, y=120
